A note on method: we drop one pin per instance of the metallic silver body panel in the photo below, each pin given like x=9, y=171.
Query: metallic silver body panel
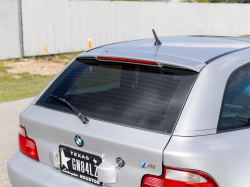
x=159, y=58
x=184, y=52
x=107, y=173
x=193, y=48
x=202, y=109
x=23, y=113
x=224, y=156
x=194, y=144
x=51, y=128
x=194, y=133
x=238, y=38
x=52, y=155
x=26, y=172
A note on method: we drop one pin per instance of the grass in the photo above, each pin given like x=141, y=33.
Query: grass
x=39, y=57
x=75, y=53
x=14, y=89
x=63, y=57
x=23, y=85
x=9, y=60
x=69, y=56
x=2, y=69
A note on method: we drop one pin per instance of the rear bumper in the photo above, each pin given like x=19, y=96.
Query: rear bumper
x=26, y=172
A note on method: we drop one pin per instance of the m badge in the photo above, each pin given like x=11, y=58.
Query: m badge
x=79, y=140
x=147, y=166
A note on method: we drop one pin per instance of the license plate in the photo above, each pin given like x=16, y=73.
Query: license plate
x=80, y=164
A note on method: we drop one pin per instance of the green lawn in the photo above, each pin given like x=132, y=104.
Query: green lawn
x=14, y=89
x=24, y=86
x=14, y=86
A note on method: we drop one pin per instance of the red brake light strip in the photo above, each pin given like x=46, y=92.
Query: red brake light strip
x=127, y=60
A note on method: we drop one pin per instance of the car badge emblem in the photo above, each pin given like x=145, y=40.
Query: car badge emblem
x=147, y=166
x=79, y=140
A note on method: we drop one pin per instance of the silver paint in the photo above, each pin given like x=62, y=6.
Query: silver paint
x=183, y=52
x=26, y=172
x=202, y=109
x=223, y=156
x=107, y=173
x=194, y=144
x=52, y=155
x=49, y=128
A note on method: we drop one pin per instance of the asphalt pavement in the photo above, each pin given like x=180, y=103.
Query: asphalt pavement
x=9, y=125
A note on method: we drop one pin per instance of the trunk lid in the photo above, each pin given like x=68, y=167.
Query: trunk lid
x=51, y=128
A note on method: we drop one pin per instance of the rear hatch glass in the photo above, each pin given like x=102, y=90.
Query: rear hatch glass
x=138, y=96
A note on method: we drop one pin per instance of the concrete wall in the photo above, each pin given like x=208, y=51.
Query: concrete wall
x=60, y=26
x=9, y=29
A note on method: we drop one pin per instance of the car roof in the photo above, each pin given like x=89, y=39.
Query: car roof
x=188, y=52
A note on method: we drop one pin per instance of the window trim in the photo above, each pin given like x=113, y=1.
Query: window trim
x=158, y=130
x=223, y=102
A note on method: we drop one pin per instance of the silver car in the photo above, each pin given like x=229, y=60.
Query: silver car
x=167, y=112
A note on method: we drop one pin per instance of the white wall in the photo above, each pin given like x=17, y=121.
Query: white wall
x=65, y=25
x=9, y=29
x=46, y=24
x=59, y=26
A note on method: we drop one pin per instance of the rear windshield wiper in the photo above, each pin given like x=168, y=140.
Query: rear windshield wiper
x=83, y=118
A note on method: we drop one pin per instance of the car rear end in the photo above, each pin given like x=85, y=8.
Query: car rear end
x=132, y=106
x=133, y=101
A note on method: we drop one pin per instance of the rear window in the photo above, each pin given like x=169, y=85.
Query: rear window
x=131, y=95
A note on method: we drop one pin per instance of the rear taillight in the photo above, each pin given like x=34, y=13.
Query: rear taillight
x=179, y=178
x=27, y=145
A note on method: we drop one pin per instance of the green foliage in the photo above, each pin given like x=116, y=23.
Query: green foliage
x=9, y=60
x=40, y=57
x=20, y=85
x=63, y=57
x=2, y=69
x=75, y=53
x=15, y=86
x=14, y=89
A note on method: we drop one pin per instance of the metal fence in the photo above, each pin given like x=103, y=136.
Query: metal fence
x=9, y=29
x=60, y=26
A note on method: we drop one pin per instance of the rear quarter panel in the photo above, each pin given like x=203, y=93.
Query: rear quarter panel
x=196, y=144
x=201, y=112
x=224, y=156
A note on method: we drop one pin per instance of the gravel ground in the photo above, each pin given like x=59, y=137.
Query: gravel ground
x=9, y=123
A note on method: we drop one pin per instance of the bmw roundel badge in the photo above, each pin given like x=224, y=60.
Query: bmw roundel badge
x=79, y=140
